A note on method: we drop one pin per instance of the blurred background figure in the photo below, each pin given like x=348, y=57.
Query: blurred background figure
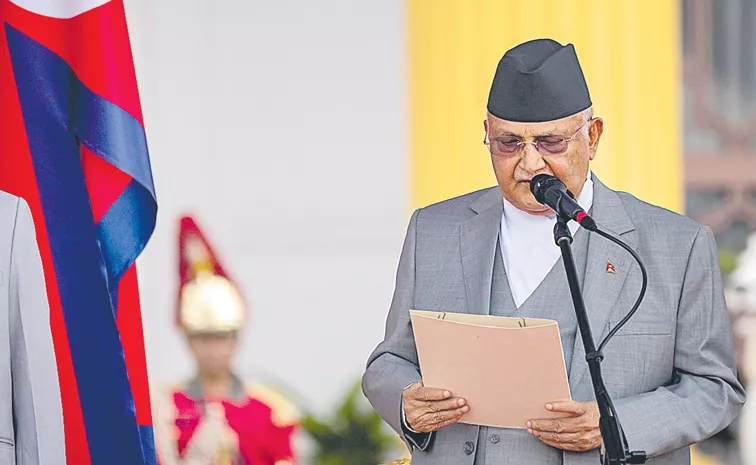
x=216, y=418
x=741, y=300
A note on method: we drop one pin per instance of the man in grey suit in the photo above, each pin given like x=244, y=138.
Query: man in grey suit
x=31, y=417
x=670, y=370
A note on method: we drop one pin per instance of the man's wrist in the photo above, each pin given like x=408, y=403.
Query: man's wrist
x=405, y=423
x=415, y=439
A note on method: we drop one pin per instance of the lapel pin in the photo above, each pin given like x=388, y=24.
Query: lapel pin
x=610, y=268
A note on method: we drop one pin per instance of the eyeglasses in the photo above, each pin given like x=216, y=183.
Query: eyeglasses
x=546, y=145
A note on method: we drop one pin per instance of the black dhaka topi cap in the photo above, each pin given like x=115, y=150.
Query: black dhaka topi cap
x=539, y=80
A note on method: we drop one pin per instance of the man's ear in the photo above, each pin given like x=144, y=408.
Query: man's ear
x=595, y=130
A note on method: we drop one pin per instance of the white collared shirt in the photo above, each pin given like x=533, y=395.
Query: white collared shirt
x=527, y=245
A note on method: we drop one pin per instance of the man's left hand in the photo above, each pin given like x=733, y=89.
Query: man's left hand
x=578, y=432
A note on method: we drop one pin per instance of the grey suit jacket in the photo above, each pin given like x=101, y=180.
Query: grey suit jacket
x=670, y=370
x=31, y=418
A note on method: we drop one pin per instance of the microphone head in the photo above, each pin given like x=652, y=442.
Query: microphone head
x=541, y=183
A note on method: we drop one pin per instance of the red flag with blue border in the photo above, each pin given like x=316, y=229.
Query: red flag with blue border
x=72, y=143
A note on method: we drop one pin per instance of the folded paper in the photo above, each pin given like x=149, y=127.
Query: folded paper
x=507, y=369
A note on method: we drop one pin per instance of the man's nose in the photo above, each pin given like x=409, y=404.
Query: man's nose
x=531, y=161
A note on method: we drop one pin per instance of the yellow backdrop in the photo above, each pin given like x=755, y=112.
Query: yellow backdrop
x=630, y=53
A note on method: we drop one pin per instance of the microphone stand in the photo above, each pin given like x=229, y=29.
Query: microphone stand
x=615, y=445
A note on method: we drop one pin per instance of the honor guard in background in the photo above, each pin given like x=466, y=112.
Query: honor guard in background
x=215, y=418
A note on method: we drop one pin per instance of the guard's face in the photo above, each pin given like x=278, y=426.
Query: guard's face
x=213, y=351
x=515, y=168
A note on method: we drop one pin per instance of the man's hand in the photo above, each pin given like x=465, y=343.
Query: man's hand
x=579, y=432
x=430, y=409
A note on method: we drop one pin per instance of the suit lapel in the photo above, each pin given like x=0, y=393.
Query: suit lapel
x=478, y=237
x=603, y=283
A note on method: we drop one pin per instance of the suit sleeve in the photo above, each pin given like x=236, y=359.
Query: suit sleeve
x=394, y=365
x=37, y=410
x=704, y=395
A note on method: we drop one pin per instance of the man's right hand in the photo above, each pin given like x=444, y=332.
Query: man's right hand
x=429, y=409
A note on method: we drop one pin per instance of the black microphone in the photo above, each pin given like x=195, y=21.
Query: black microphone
x=551, y=191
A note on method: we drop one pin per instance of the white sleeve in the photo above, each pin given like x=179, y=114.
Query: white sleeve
x=37, y=409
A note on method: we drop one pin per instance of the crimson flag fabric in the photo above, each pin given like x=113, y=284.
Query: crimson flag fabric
x=72, y=143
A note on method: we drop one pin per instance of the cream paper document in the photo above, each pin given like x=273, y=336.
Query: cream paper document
x=507, y=369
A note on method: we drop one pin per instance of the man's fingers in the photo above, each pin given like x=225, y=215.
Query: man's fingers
x=448, y=404
x=444, y=415
x=431, y=427
x=552, y=443
x=557, y=437
x=558, y=445
x=429, y=421
x=422, y=393
x=430, y=409
x=583, y=417
x=561, y=425
x=580, y=445
x=448, y=422
x=588, y=439
x=429, y=417
x=568, y=406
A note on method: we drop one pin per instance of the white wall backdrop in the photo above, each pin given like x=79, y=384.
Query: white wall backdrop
x=281, y=125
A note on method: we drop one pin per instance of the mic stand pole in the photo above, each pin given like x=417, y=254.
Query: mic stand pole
x=616, y=452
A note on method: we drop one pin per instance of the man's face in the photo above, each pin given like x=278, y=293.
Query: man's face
x=213, y=351
x=515, y=171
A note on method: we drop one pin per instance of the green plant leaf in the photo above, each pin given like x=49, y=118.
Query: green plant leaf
x=354, y=435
